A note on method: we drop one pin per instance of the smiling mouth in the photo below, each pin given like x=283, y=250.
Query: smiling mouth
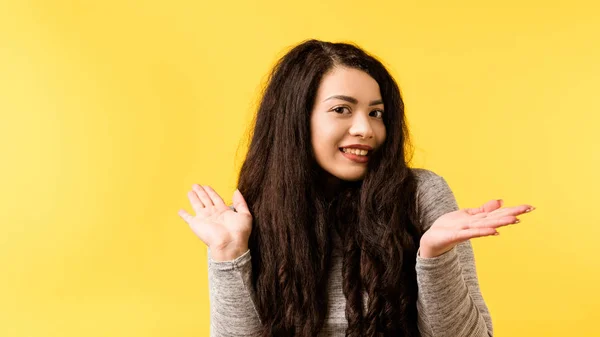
x=356, y=152
x=358, y=156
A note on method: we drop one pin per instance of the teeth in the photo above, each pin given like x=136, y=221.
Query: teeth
x=357, y=152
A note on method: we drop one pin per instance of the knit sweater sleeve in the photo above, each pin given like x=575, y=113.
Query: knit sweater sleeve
x=232, y=298
x=449, y=300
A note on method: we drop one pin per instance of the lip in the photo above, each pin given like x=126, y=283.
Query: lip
x=355, y=158
x=358, y=146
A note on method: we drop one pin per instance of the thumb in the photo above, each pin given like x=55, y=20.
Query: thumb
x=239, y=203
x=493, y=205
x=489, y=206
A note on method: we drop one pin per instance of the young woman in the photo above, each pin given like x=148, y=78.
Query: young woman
x=331, y=233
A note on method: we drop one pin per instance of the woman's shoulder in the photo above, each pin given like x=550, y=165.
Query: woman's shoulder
x=429, y=184
x=424, y=176
x=434, y=197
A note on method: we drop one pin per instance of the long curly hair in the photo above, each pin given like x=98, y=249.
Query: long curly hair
x=291, y=239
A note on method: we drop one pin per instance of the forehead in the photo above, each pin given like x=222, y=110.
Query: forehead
x=350, y=82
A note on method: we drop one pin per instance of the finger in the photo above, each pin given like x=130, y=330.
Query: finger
x=472, y=233
x=480, y=215
x=239, y=203
x=493, y=205
x=197, y=205
x=516, y=210
x=215, y=197
x=472, y=221
x=494, y=222
x=185, y=216
x=202, y=195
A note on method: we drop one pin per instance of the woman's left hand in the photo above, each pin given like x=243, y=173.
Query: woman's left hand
x=455, y=227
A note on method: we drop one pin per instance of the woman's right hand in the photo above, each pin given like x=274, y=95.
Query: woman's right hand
x=223, y=230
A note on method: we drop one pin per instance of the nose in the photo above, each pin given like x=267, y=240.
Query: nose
x=361, y=127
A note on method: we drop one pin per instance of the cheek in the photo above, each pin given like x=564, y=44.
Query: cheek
x=325, y=138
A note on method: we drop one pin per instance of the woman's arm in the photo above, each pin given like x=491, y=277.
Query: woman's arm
x=449, y=301
x=225, y=231
x=232, y=310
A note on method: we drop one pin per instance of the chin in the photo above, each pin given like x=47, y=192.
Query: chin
x=351, y=176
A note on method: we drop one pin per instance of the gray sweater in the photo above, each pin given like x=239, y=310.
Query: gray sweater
x=449, y=300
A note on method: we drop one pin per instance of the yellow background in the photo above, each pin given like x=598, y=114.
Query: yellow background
x=110, y=110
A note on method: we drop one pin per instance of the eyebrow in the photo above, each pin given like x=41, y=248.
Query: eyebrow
x=353, y=100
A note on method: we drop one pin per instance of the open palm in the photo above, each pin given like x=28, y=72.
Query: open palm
x=455, y=227
x=217, y=225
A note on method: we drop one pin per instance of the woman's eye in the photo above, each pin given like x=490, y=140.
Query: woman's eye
x=340, y=109
x=377, y=113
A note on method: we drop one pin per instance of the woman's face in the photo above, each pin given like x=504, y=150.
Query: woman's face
x=346, y=122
